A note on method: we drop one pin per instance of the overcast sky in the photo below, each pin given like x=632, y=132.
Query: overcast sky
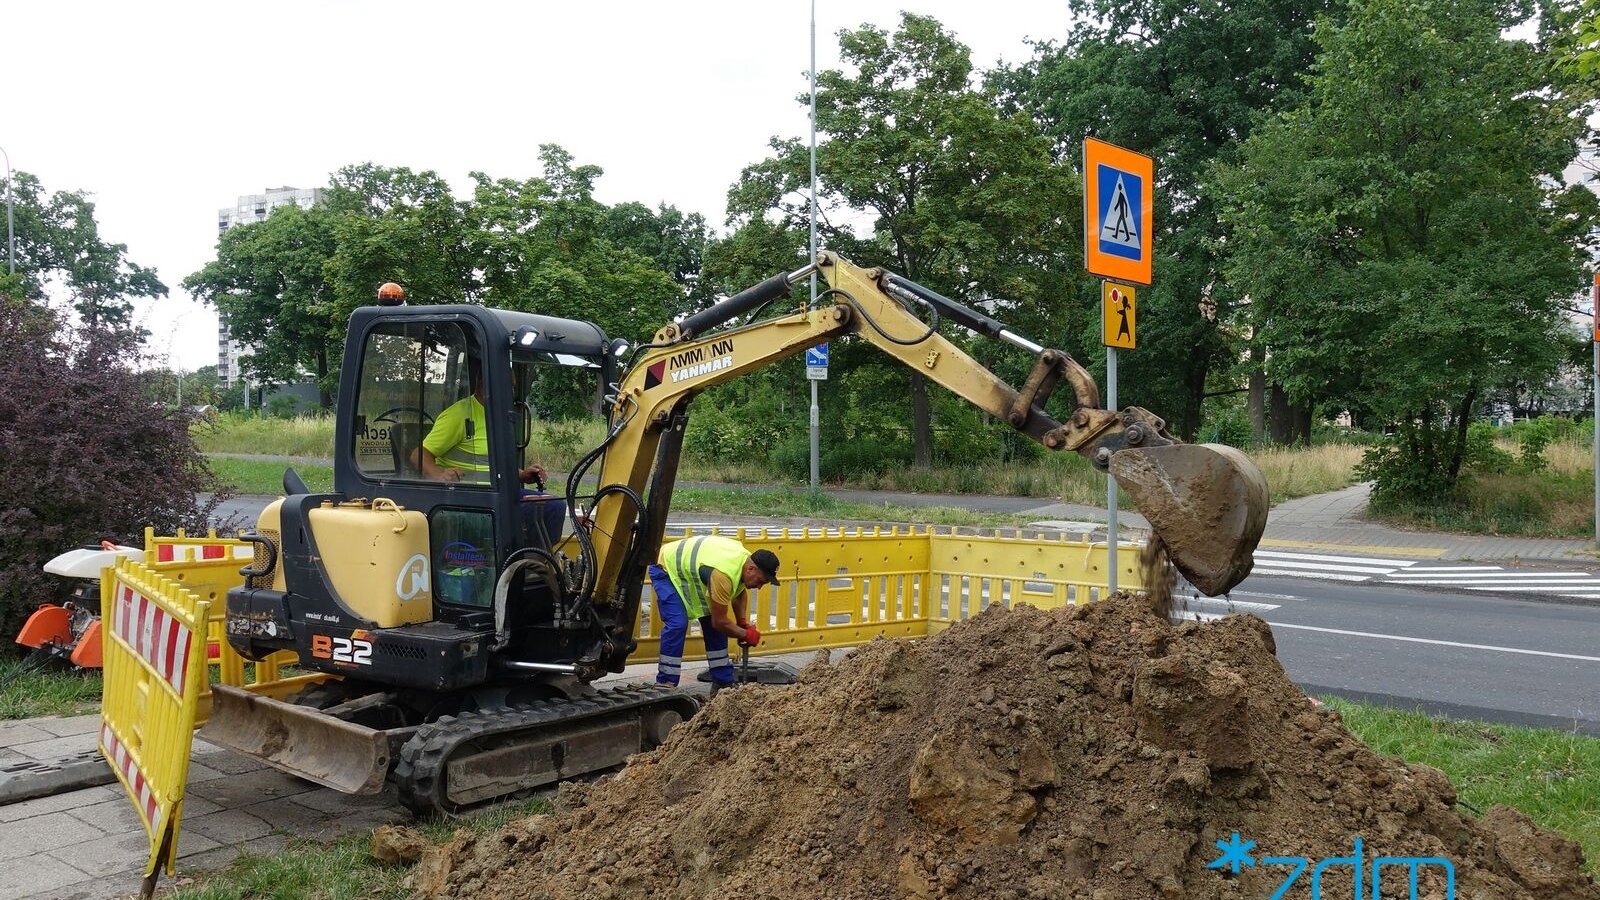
x=166, y=112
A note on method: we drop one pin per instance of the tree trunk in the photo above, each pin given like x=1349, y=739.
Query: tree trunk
x=1194, y=383
x=921, y=423
x=1459, y=450
x=1302, y=424
x=1257, y=402
x=324, y=396
x=1282, y=417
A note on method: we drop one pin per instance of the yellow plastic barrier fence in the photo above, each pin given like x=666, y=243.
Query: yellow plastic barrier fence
x=155, y=672
x=208, y=566
x=842, y=587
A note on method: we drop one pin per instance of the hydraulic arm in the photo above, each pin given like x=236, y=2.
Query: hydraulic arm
x=1207, y=503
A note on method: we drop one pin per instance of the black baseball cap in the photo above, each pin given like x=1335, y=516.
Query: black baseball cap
x=767, y=562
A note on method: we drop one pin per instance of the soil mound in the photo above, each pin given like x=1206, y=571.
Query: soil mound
x=1090, y=753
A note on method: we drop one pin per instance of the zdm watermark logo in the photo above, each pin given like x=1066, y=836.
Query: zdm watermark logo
x=1236, y=856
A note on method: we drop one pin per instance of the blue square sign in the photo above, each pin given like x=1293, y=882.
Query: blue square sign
x=817, y=356
x=1120, y=195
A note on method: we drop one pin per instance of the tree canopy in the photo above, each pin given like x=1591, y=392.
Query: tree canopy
x=1405, y=238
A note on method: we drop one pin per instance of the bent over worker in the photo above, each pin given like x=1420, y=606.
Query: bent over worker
x=708, y=579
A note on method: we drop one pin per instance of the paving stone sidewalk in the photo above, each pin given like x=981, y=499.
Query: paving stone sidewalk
x=89, y=844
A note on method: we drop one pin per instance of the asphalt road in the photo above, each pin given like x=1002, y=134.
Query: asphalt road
x=1472, y=654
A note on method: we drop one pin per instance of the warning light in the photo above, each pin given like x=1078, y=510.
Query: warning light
x=391, y=294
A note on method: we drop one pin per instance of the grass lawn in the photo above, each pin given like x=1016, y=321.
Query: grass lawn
x=27, y=692
x=1290, y=472
x=1552, y=776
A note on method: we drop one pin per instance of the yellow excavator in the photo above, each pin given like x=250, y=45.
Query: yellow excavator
x=467, y=642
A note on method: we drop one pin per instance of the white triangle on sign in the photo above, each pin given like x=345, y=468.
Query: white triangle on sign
x=1119, y=226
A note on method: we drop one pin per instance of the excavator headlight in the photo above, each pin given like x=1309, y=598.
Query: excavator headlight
x=525, y=336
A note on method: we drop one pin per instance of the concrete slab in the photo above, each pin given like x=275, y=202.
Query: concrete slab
x=114, y=816
x=86, y=797
x=106, y=855
x=334, y=803
x=250, y=787
x=229, y=826
x=288, y=816
x=69, y=725
x=199, y=772
x=226, y=761
x=115, y=887
x=41, y=834
x=54, y=748
x=13, y=733
x=43, y=876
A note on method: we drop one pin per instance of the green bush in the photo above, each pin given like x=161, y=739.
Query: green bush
x=856, y=458
x=1481, y=452
x=563, y=438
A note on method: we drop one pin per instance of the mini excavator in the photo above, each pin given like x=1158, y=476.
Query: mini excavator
x=467, y=649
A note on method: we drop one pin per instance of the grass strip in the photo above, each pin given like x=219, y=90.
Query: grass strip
x=29, y=692
x=1552, y=776
x=340, y=869
x=265, y=477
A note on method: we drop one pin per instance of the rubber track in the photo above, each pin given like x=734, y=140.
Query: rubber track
x=419, y=774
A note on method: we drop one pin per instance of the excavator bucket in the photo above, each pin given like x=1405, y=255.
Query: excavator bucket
x=299, y=740
x=1206, y=502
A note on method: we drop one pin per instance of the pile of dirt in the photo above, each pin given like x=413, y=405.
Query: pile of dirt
x=1091, y=753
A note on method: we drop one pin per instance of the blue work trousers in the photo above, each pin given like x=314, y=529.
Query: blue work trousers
x=675, y=628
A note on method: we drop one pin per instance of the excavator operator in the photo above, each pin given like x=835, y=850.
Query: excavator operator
x=457, y=449
x=708, y=579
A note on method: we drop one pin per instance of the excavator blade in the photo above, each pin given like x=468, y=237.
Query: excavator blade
x=299, y=740
x=1206, y=502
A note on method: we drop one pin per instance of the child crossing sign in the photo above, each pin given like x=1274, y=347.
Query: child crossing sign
x=1119, y=323
x=1118, y=211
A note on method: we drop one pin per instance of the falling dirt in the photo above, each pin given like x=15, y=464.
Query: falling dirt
x=1155, y=569
x=1090, y=753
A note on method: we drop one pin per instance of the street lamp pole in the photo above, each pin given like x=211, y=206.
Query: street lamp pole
x=11, y=227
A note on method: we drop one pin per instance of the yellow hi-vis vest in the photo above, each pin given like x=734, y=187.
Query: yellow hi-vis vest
x=682, y=561
x=471, y=452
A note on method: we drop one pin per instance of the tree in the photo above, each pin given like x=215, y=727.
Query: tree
x=88, y=456
x=270, y=288
x=59, y=249
x=1405, y=238
x=1183, y=83
x=961, y=197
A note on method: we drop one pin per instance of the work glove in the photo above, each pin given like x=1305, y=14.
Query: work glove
x=751, y=635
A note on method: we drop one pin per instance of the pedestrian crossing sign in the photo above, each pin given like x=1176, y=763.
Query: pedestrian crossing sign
x=1118, y=211
x=1118, y=315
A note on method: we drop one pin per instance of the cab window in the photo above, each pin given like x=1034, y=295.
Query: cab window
x=415, y=396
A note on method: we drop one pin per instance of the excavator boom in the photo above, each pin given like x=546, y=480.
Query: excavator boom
x=1206, y=503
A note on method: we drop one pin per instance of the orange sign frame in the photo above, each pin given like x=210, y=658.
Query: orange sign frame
x=1118, y=183
x=1596, y=299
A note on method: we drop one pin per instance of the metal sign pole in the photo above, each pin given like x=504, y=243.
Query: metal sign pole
x=1111, y=483
x=816, y=419
x=1597, y=433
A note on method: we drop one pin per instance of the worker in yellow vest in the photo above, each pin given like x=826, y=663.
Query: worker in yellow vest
x=457, y=449
x=708, y=579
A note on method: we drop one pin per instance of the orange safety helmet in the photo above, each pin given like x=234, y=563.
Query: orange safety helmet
x=391, y=294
